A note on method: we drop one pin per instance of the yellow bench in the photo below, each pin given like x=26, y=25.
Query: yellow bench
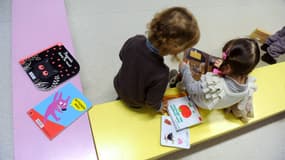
x=123, y=133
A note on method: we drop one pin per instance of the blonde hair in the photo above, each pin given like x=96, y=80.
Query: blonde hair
x=175, y=26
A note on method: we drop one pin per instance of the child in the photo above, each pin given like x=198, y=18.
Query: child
x=143, y=76
x=274, y=46
x=231, y=85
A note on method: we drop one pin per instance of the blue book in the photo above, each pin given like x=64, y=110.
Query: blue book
x=59, y=110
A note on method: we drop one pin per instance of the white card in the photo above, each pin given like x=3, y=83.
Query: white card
x=170, y=137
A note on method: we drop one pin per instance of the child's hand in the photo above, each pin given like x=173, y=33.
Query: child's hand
x=202, y=68
x=163, y=109
x=218, y=63
x=181, y=65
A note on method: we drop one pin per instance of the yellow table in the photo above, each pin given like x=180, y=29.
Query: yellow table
x=123, y=133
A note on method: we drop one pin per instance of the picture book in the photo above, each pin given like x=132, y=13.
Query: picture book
x=172, y=138
x=183, y=112
x=59, y=110
x=200, y=62
x=50, y=67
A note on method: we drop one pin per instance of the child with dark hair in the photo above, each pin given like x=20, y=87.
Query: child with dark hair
x=274, y=46
x=232, y=84
x=143, y=76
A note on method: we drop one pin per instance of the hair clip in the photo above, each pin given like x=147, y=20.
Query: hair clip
x=224, y=55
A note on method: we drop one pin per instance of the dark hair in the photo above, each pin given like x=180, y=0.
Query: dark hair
x=242, y=55
x=176, y=25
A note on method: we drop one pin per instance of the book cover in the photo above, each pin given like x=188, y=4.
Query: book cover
x=59, y=110
x=200, y=62
x=183, y=113
x=172, y=138
x=50, y=67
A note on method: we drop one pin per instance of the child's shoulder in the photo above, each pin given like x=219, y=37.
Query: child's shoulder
x=211, y=77
x=134, y=41
x=251, y=79
x=251, y=82
x=138, y=37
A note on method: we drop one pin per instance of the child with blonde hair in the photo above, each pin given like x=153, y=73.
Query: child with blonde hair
x=143, y=76
x=230, y=87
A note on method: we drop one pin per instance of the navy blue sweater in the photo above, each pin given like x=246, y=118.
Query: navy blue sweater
x=143, y=76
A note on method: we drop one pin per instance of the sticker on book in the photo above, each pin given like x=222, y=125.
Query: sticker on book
x=183, y=112
x=59, y=110
x=50, y=67
x=172, y=138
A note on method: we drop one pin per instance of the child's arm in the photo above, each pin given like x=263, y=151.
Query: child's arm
x=155, y=94
x=125, y=49
x=192, y=86
x=163, y=108
x=207, y=92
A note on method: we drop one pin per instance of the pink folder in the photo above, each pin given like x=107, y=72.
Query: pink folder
x=37, y=25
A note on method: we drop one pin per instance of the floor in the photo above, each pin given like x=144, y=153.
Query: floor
x=99, y=28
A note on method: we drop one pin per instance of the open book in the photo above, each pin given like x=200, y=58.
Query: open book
x=59, y=110
x=183, y=113
x=200, y=62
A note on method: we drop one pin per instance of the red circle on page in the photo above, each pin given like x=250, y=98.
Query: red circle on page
x=185, y=111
